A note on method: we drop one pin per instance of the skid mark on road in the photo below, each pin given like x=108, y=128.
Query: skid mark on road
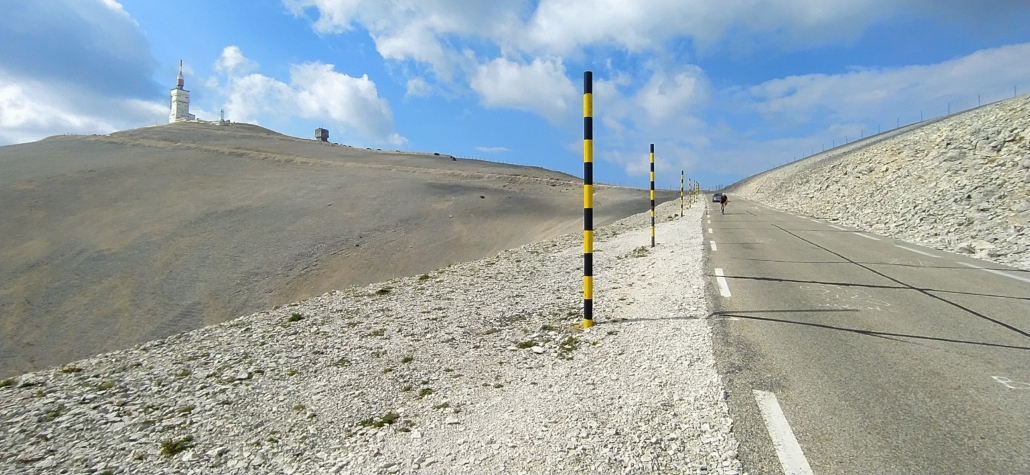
x=845, y=298
x=1008, y=383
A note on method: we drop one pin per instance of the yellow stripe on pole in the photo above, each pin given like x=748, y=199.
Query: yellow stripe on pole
x=588, y=151
x=588, y=241
x=588, y=291
x=588, y=105
x=588, y=196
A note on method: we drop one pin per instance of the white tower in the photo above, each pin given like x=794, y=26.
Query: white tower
x=180, y=101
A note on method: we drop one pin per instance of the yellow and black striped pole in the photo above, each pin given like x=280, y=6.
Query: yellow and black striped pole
x=681, y=193
x=652, y=195
x=588, y=199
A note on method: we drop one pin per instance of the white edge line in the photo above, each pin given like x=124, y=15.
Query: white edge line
x=724, y=288
x=792, y=459
x=867, y=237
x=917, y=251
x=837, y=227
x=713, y=245
x=998, y=272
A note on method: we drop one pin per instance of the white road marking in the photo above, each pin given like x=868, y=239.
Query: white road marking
x=709, y=230
x=867, y=237
x=713, y=245
x=814, y=220
x=837, y=227
x=792, y=459
x=724, y=288
x=998, y=272
x=917, y=251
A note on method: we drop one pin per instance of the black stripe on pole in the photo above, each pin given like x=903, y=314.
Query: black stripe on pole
x=652, y=195
x=588, y=199
x=681, y=193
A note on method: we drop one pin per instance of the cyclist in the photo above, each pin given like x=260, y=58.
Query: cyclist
x=722, y=203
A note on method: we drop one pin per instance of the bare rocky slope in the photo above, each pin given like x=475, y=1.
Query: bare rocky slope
x=109, y=241
x=958, y=184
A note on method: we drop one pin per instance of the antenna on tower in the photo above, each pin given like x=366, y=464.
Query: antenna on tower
x=178, y=80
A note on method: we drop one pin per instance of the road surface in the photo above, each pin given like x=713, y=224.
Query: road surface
x=848, y=352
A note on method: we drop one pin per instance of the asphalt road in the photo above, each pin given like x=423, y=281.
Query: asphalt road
x=884, y=356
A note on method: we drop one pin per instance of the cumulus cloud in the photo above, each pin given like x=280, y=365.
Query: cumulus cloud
x=540, y=86
x=232, y=62
x=69, y=66
x=418, y=87
x=315, y=91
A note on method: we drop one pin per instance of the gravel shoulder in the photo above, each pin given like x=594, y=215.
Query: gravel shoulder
x=475, y=368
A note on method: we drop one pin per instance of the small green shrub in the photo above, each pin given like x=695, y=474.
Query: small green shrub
x=384, y=290
x=299, y=408
x=291, y=372
x=423, y=277
x=424, y=392
x=104, y=386
x=407, y=359
x=171, y=447
x=182, y=373
x=54, y=414
x=295, y=318
x=387, y=370
x=342, y=362
x=526, y=344
x=387, y=419
x=377, y=332
x=406, y=388
x=70, y=369
x=7, y=382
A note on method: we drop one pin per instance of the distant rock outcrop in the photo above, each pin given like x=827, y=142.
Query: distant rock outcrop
x=959, y=184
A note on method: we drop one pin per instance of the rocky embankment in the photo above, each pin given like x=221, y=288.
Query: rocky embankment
x=960, y=184
x=475, y=368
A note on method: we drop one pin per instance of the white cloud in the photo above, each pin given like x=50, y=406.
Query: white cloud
x=315, y=91
x=540, y=86
x=493, y=149
x=31, y=110
x=863, y=94
x=232, y=62
x=664, y=95
x=418, y=87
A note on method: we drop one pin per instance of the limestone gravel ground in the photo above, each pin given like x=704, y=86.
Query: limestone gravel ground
x=475, y=368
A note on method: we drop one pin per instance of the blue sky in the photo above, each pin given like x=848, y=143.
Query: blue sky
x=724, y=89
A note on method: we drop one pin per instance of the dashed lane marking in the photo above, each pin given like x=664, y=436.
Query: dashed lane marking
x=713, y=245
x=724, y=288
x=837, y=227
x=792, y=459
x=814, y=220
x=917, y=251
x=867, y=237
x=709, y=230
x=998, y=272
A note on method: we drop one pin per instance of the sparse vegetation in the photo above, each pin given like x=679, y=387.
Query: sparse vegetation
x=423, y=277
x=406, y=388
x=104, y=386
x=526, y=344
x=424, y=392
x=296, y=317
x=387, y=370
x=641, y=251
x=340, y=363
x=54, y=414
x=171, y=447
x=291, y=372
x=567, y=346
x=70, y=369
x=182, y=373
x=377, y=332
x=186, y=409
x=407, y=359
x=387, y=419
x=384, y=290
x=299, y=408
x=7, y=382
